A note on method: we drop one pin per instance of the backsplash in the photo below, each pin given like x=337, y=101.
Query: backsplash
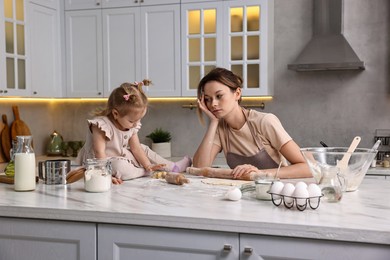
x=313, y=106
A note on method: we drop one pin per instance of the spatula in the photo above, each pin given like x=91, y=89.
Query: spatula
x=343, y=163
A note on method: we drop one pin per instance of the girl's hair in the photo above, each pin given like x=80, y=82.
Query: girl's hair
x=126, y=97
x=223, y=76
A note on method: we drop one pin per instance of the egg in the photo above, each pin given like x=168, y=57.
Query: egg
x=287, y=192
x=300, y=184
x=276, y=188
x=233, y=194
x=314, y=190
x=301, y=194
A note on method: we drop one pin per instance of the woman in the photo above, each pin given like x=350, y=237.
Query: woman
x=251, y=141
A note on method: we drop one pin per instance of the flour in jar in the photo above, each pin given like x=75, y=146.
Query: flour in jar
x=96, y=180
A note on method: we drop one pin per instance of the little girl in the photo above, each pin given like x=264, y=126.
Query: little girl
x=114, y=134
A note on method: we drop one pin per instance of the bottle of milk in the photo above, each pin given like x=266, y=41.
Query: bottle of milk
x=24, y=159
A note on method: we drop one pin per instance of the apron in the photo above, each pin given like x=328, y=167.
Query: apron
x=261, y=160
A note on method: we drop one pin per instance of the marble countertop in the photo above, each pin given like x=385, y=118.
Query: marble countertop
x=361, y=216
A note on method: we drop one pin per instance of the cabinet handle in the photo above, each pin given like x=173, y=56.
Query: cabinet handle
x=248, y=250
x=1, y=91
x=35, y=93
x=99, y=93
x=227, y=248
x=5, y=91
x=98, y=3
x=136, y=1
x=142, y=1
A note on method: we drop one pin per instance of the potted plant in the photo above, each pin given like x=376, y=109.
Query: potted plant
x=161, y=142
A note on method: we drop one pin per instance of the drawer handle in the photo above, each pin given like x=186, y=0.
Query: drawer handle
x=248, y=250
x=227, y=248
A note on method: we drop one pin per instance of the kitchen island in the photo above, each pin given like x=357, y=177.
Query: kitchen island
x=145, y=217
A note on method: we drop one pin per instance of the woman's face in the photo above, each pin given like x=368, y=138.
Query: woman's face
x=220, y=99
x=130, y=119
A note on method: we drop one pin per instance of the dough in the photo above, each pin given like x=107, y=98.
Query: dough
x=224, y=182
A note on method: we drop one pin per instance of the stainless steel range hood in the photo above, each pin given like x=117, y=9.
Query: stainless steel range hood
x=328, y=49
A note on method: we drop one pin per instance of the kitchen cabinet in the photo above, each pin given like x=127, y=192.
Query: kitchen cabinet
x=45, y=57
x=24, y=239
x=237, y=35
x=97, y=4
x=124, y=45
x=273, y=247
x=132, y=242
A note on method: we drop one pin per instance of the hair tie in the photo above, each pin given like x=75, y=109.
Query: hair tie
x=126, y=97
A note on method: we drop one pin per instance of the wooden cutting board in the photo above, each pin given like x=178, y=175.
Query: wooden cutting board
x=6, y=138
x=18, y=127
x=2, y=155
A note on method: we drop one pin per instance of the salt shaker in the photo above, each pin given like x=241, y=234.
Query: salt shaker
x=24, y=158
x=97, y=176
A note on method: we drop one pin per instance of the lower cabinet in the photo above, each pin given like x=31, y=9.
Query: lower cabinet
x=273, y=247
x=26, y=239
x=147, y=243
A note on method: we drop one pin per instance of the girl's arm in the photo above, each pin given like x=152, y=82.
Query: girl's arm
x=139, y=153
x=207, y=151
x=99, y=142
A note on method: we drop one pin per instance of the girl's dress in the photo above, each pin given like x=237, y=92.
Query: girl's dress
x=257, y=142
x=124, y=165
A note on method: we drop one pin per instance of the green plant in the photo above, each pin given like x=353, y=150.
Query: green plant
x=160, y=136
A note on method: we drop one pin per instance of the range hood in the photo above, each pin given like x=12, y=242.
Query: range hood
x=328, y=49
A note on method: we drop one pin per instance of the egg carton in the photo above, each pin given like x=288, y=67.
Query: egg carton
x=299, y=202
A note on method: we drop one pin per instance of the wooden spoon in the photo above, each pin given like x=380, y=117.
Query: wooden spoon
x=343, y=163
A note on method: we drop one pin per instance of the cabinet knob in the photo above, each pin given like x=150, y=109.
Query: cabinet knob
x=97, y=3
x=227, y=248
x=99, y=93
x=1, y=91
x=142, y=1
x=136, y=1
x=35, y=93
x=248, y=250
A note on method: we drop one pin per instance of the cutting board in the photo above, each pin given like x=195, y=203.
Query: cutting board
x=2, y=155
x=18, y=127
x=6, y=138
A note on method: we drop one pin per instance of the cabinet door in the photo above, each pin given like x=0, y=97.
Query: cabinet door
x=160, y=48
x=84, y=53
x=201, y=43
x=122, y=58
x=25, y=239
x=44, y=41
x=271, y=247
x=124, y=242
x=248, y=39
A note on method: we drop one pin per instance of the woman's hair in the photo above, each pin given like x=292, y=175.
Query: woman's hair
x=126, y=97
x=223, y=76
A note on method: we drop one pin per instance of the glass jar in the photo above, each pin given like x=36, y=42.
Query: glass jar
x=332, y=184
x=24, y=159
x=97, y=176
x=386, y=161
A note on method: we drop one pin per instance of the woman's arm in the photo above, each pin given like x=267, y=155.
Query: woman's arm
x=207, y=151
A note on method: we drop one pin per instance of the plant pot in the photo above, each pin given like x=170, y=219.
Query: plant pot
x=162, y=149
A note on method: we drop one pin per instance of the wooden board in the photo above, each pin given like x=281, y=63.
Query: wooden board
x=2, y=155
x=18, y=127
x=6, y=139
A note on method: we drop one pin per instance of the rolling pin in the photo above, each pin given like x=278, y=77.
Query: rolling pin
x=222, y=173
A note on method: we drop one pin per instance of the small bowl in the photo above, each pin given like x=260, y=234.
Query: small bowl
x=324, y=157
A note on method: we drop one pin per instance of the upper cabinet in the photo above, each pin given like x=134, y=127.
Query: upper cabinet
x=114, y=45
x=237, y=35
x=30, y=51
x=96, y=4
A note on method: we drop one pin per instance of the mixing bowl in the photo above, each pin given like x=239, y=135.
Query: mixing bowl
x=322, y=159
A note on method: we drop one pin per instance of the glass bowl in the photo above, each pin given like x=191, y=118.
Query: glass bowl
x=321, y=159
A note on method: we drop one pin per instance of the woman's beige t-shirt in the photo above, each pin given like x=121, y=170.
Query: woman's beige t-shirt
x=267, y=129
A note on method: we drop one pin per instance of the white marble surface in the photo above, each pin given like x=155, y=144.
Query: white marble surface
x=361, y=216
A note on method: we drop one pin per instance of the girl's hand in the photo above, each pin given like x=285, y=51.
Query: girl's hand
x=203, y=107
x=155, y=167
x=243, y=169
x=116, y=180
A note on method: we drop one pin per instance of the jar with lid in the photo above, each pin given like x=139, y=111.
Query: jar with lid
x=386, y=161
x=97, y=176
x=24, y=159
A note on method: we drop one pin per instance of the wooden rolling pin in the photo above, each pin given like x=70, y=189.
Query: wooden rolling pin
x=222, y=173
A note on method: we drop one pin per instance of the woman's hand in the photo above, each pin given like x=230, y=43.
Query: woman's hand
x=203, y=107
x=243, y=169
